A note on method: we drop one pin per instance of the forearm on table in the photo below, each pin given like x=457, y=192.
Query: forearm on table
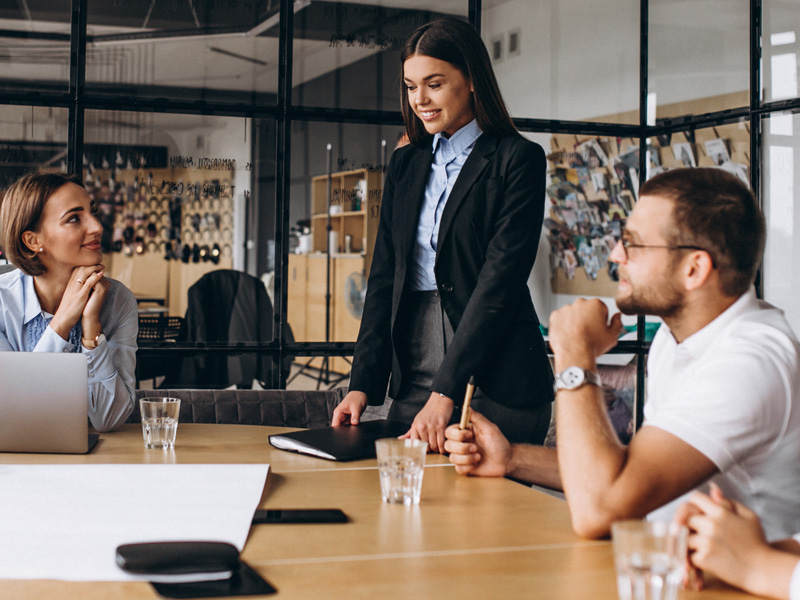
x=535, y=464
x=767, y=573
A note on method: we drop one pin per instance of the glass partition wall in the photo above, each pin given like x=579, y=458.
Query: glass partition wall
x=253, y=136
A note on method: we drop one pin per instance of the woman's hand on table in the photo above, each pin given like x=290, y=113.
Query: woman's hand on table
x=350, y=409
x=431, y=421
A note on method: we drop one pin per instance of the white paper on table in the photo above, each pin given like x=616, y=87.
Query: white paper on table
x=66, y=521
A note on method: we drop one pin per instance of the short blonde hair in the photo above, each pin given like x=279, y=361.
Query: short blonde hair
x=21, y=210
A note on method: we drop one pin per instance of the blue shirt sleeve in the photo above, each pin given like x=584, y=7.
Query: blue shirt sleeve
x=112, y=365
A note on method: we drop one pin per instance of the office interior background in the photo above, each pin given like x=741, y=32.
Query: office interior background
x=253, y=135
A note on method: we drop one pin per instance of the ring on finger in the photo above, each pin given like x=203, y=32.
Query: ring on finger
x=79, y=281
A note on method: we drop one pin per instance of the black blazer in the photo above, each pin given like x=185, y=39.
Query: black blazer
x=487, y=244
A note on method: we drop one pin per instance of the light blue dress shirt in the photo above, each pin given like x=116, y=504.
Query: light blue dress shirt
x=111, y=365
x=449, y=156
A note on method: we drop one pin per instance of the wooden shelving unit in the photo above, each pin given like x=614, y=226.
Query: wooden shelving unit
x=355, y=205
x=356, y=200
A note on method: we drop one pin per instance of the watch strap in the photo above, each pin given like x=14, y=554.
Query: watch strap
x=92, y=344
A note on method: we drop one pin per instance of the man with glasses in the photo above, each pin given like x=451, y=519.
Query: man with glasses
x=723, y=371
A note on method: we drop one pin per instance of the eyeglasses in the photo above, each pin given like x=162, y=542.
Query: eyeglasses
x=626, y=244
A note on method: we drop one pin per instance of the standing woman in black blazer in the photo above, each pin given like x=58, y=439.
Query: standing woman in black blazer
x=461, y=215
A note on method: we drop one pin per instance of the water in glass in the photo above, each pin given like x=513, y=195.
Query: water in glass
x=650, y=576
x=401, y=480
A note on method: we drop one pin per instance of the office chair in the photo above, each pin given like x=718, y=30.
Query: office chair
x=227, y=306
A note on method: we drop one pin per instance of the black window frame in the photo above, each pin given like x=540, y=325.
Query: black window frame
x=77, y=100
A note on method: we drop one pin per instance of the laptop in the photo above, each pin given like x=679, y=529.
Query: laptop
x=44, y=403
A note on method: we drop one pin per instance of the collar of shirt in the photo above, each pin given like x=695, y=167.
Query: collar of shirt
x=461, y=141
x=32, y=306
x=699, y=342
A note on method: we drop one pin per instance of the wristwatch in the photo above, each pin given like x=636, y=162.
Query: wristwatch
x=573, y=378
x=92, y=344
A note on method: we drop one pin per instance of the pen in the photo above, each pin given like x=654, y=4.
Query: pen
x=465, y=412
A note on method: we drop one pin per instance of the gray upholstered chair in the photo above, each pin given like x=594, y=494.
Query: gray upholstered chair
x=281, y=408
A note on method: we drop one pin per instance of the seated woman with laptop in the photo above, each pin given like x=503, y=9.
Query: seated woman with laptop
x=58, y=299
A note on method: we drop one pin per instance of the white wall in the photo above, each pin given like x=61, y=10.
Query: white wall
x=579, y=60
x=698, y=48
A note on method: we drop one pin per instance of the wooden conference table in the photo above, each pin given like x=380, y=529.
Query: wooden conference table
x=468, y=538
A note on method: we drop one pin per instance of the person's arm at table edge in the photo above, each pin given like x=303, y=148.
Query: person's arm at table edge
x=535, y=464
x=769, y=573
x=484, y=451
x=350, y=409
x=603, y=480
x=372, y=360
x=769, y=569
x=112, y=366
x=726, y=539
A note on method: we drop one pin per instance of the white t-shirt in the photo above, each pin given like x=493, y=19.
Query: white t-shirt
x=794, y=583
x=728, y=391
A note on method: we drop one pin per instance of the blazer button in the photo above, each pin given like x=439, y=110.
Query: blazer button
x=447, y=287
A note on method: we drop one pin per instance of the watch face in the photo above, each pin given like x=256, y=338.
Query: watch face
x=572, y=377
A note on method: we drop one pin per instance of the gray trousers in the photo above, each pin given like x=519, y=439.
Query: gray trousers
x=425, y=334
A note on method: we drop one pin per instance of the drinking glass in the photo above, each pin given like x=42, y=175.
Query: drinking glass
x=159, y=421
x=649, y=557
x=401, y=464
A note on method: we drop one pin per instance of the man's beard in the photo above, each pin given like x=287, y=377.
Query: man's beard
x=661, y=300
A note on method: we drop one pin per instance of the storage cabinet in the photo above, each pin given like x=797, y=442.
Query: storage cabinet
x=297, y=291
x=355, y=206
x=306, y=306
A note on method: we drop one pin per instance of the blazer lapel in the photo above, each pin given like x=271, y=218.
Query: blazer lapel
x=416, y=179
x=474, y=166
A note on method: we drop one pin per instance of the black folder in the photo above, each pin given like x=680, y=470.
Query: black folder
x=344, y=442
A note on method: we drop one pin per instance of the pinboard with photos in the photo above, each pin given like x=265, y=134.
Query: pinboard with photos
x=593, y=184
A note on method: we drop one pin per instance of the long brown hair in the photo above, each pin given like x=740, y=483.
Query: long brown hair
x=457, y=43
